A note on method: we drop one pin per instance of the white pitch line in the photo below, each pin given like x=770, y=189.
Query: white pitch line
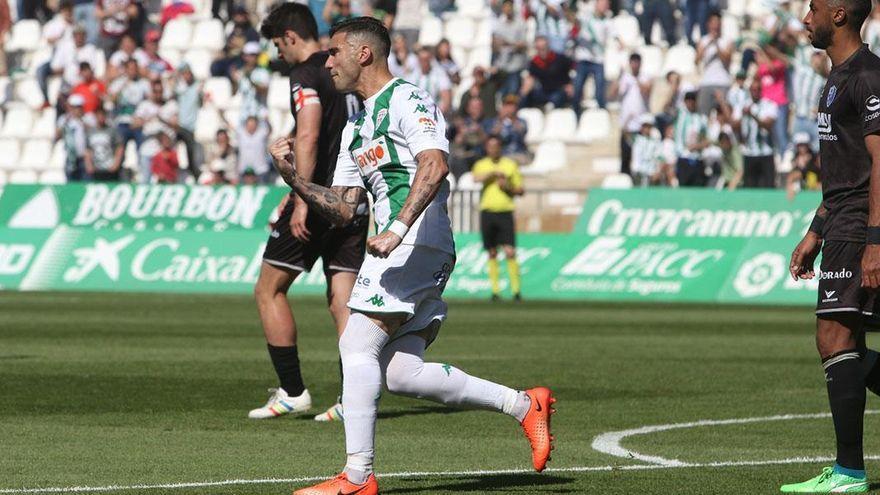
x=425, y=474
x=609, y=443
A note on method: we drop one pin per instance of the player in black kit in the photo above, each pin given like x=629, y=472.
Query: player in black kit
x=299, y=237
x=847, y=230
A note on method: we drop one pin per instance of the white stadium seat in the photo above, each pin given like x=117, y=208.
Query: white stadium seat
x=595, y=125
x=44, y=127
x=652, y=60
x=207, y=123
x=473, y=8
x=460, y=32
x=730, y=27
x=483, y=35
x=232, y=115
x=478, y=57
x=534, y=118
x=560, y=124
x=466, y=182
x=27, y=91
x=59, y=156
x=550, y=156
x=173, y=57
x=617, y=181
x=431, y=31
x=279, y=93
x=606, y=165
x=36, y=154
x=626, y=27
x=25, y=36
x=209, y=34
x=282, y=123
x=9, y=152
x=182, y=158
x=682, y=59
x=54, y=89
x=615, y=60
x=53, y=177
x=199, y=61
x=219, y=91
x=18, y=122
x=130, y=159
x=23, y=177
x=177, y=34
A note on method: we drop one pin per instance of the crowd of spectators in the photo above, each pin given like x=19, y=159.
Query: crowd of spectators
x=750, y=105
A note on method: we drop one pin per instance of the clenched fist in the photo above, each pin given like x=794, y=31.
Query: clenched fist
x=281, y=151
x=381, y=245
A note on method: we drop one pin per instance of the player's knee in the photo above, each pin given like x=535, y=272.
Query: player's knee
x=510, y=252
x=402, y=372
x=836, y=335
x=493, y=253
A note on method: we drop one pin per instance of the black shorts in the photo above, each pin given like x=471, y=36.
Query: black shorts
x=342, y=250
x=497, y=229
x=840, y=283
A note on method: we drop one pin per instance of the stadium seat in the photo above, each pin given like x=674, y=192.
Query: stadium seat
x=560, y=124
x=18, y=122
x=681, y=58
x=460, y=32
x=173, y=57
x=279, y=93
x=130, y=159
x=652, y=60
x=472, y=8
x=282, y=123
x=534, y=118
x=27, y=91
x=199, y=61
x=615, y=60
x=219, y=91
x=182, y=158
x=594, y=125
x=23, y=177
x=9, y=152
x=617, y=181
x=231, y=116
x=177, y=35
x=36, y=154
x=606, y=165
x=550, y=156
x=44, y=127
x=52, y=177
x=730, y=27
x=483, y=34
x=627, y=29
x=207, y=123
x=5, y=89
x=458, y=91
x=58, y=156
x=54, y=89
x=209, y=34
x=466, y=182
x=25, y=36
x=431, y=31
x=478, y=57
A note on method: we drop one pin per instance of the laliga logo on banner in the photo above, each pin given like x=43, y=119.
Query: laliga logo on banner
x=759, y=275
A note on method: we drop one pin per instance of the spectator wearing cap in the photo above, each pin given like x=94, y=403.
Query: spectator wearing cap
x=510, y=129
x=253, y=149
x=104, y=150
x=633, y=89
x=592, y=34
x=253, y=83
x=153, y=117
x=468, y=137
x=509, y=47
x=808, y=83
x=175, y=9
x=128, y=50
x=690, y=131
x=115, y=17
x=444, y=59
x=242, y=32
x=189, y=94
x=68, y=57
x=127, y=92
x=647, y=154
x=548, y=80
x=56, y=32
x=433, y=79
x=713, y=56
x=91, y=90
x=804, y=175
x=483, y=88
x=755, y=122
x=401, y=60
x=652, y=10
x=72, y=132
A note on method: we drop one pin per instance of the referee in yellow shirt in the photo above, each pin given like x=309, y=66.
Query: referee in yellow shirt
x=501, y=182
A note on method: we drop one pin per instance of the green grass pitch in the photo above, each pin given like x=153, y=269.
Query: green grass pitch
x=133, y=389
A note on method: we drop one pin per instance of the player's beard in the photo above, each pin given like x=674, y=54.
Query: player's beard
x=821, y=37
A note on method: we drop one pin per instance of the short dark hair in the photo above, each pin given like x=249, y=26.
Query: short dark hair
x=366, y=26
x=290, y=17
x=856, y=12
x=714, y=13
x=494, y=136
x=635, y=57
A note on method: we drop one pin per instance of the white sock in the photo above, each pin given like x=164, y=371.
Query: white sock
x=360, y=346
x=407, y=374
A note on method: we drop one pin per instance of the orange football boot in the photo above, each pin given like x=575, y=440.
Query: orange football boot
x=340, y=485
x=536, y=425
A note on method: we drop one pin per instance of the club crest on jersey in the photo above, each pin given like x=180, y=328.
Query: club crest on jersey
x=380, y=116
x=832, y=94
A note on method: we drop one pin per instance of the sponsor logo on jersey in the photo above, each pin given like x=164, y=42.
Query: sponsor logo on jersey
x=841, y=274
x=825, y=127
x=372, y=156
x=428, y=125
x=832, y=94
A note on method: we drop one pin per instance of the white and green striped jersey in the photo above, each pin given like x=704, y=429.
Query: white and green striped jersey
x=595, y=31
x=808, y=85
x=690, y=128
x=754, y=139
x=378, y=151
x=647, y=154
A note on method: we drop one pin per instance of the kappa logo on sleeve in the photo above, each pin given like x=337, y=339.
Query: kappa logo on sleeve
x=872, y=104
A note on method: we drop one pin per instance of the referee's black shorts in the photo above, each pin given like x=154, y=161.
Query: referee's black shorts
x=342, y=249
x=497, y=229
x=840, y=284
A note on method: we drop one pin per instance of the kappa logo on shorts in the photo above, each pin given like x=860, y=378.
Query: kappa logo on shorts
x=376, y=300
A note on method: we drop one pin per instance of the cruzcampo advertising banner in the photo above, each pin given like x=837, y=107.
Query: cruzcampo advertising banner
x=645, y=245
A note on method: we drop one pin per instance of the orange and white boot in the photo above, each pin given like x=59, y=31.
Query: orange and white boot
x=536, y=425
x=339, y=485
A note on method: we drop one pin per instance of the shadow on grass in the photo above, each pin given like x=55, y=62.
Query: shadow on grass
x=409, y=411
x=505, y=483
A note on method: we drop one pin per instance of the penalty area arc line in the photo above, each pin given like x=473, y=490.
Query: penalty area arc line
x=424, y=474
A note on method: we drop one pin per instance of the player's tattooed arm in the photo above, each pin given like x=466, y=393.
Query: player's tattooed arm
x=430, y=174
